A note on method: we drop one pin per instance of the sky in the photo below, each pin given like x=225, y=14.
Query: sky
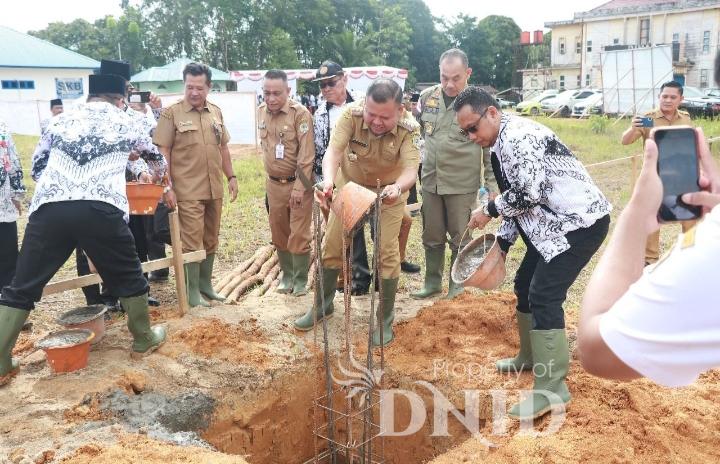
x=528, y=14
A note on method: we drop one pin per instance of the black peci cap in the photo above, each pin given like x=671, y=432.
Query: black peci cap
x=106, y=83
x=56, y=102
x=118, y=68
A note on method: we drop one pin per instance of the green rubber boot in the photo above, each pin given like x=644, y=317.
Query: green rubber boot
x=551, y=361
x=386, y=312
x=524, y=359
x=206, y=271
x=453, y=288
x=286, y=264
x=11, y=322
x=146, y=339
x=317, y=313
x=301, y=263
x=434, y=267
x=192, y=282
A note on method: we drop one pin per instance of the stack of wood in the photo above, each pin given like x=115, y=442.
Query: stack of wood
x=257, y=275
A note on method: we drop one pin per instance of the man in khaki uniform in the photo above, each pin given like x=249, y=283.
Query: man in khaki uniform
x=374, y=139
x=192, y=136
x=286, y=136
x=668, y=114
x=452, y=172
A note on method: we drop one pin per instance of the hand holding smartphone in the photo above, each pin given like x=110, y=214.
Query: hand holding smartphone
x=139, y=97
x=679, y=172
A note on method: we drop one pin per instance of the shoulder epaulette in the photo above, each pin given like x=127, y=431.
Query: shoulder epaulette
x=408, y=122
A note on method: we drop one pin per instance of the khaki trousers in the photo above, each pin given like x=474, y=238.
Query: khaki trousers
x=200, y=224
x=445, y=215
x=290, y=227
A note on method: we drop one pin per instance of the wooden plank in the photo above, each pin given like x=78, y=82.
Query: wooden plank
x=176, y=239
x=92, y=279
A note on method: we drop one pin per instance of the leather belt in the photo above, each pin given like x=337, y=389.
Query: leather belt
x=283, y=180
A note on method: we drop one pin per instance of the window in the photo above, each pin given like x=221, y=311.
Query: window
x=676, y=37
x=706, y=42
x=616, y=41
x=24, y=85
x=561, y=45
x=589, y=46
x=587, y=80
x=562, y=82
x=579, y=81
x=703, y=78
x=645, y=31
x=578, y=45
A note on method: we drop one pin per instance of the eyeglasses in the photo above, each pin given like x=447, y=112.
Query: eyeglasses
x=474, y=128
x=329, y=83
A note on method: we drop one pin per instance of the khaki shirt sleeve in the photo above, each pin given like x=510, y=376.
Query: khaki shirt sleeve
x=410, y=150
x=306, y=147
x=342, y=132
x=165, y=131
x=225, y=138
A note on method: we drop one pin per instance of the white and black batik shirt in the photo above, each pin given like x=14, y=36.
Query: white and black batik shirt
x=12, y=187
x=84, y=153
x=546, y=191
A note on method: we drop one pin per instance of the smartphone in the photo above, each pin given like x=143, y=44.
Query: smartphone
x=678, y=170
x=139, y=97
x=647, y=121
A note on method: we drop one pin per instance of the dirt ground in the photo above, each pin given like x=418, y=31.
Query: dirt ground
x=235, y=384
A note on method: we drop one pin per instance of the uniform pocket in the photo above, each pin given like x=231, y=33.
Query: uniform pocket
x=455, y=133
x=187, y=135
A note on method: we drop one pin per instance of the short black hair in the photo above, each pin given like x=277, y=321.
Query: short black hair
x=384, y=89
x=276, y=74
x=478, y=99
x=198, y=69
x=672, y=85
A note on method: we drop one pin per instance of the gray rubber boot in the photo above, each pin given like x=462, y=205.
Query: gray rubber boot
x=205, y=281
x=434, y=267
x=386, y=313
x=192, y=282
x=11, y=323
x=146, y=339
x=286, y=264
x=453, y=288
x=317, y=313
x=551, y=358
x=301, y=265
x=524, y=359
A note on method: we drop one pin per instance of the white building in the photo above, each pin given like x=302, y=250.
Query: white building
x=33, y=72
x=691, y=26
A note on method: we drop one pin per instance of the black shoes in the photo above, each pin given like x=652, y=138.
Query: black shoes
x=409, y=268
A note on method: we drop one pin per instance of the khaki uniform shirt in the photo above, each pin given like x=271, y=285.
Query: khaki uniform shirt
x=453, y=163
x=292, y=127
x=682, y=118
x=194, y=138
x=367, y=157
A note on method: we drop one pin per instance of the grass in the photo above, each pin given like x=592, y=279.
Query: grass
x=245, y=224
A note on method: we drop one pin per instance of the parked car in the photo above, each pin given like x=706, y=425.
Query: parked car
x=563, y=103
x=593, y=104
x=712, y=92
x=532, y=106
x=504, y=103
x=698, y=104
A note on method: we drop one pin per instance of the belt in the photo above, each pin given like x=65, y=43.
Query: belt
x=283, y=180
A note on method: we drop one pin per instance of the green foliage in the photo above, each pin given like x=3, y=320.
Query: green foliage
x=599, y=123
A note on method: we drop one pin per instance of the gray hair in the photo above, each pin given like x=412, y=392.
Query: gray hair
x=454, y=53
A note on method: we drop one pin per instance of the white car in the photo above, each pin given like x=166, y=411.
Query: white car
x=593, y=104
x=563, y=103
x=504, y=103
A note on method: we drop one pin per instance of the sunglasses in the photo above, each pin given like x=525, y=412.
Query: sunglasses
x=329, y=83
x=474, y=128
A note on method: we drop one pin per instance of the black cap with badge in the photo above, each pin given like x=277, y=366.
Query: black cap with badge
x=55, y=102
x=106, y=83
x=327, y=70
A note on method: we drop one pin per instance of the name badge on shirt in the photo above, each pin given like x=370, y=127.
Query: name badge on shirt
x=279, y=151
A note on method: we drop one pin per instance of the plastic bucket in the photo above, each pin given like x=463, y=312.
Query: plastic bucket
x=67, y=350
x=480, y=264
x=352, y=204
x=143, y=198
x=86, y=317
